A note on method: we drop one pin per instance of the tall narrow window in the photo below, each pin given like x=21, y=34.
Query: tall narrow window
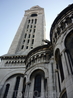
x=25, y=35
x=34, y=26
x=33, y=36
x=32, y=41
x=22, y=47
x=16, y=87
x=28, y=41
x=30, y=30
x=27, y=26
x=29, y=36
x=59, y=63
x=32, y=20
x=34, y=30
x=28, y=21
x=23, y=41
x=35, y=21
x=26, y=47
x=45, y=85
x=37, y=86
x=31, y=26
x=6, y=91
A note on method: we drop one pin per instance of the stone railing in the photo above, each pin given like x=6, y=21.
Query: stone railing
x=39, y=57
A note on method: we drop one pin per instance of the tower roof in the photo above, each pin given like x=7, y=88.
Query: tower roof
x=35, y=7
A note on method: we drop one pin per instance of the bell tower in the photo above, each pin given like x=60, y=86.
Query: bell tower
x=30, y=33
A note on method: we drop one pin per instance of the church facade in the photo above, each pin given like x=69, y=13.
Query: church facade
x=35, y=67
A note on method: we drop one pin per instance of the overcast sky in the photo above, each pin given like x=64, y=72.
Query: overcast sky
x=12, y=12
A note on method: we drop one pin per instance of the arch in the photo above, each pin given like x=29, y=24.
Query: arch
x=10, y=74
x=37, y=68
x=36, y=72
x=38, y=76
x=69, y=44
x=63, y=39
x=33, y=15
x=69, y=49
x=59, y=63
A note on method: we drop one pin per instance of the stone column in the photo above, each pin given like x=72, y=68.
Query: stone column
x=69, y=79
x=64, y=64
x=26, y=91
x=31, y=91
x=56, y=84
x=67, y=63
x=70, y=62
x=50, y=83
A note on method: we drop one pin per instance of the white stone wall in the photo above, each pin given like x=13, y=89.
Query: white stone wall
x=22, y=30
x=58, y=40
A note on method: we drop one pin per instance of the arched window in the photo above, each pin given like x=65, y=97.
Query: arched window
x=37, y=86
x=69, y=44
x=37, y=78
x=6, y=91
x=69, y=49
x=16, y=87
x=33, y=15
x=59, y=63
